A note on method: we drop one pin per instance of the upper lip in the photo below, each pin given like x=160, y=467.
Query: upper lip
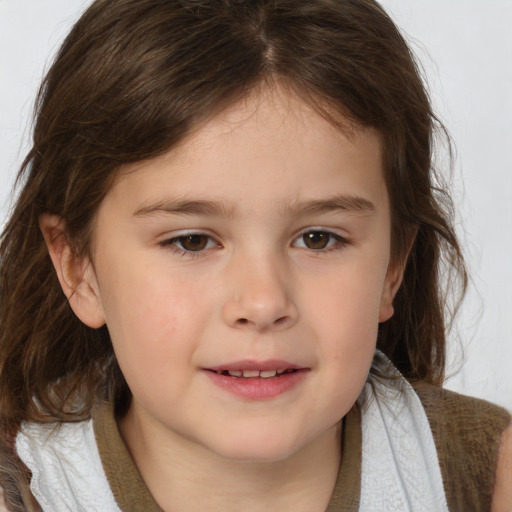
x=249, y=364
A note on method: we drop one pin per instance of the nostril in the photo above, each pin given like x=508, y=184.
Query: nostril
x=278, y=322
x=281, y=320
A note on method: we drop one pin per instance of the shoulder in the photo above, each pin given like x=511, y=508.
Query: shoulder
x=468, y=434
x=437, y=396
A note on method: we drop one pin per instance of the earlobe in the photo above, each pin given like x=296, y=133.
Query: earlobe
x=76, y=274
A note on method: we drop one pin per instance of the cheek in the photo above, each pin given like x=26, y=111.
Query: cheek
x=349, y=302
x=346, y=318
x=351, y=334
x=154, y=325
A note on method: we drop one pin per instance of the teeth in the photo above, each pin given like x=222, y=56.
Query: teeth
x=251, y=373
x=264, y=374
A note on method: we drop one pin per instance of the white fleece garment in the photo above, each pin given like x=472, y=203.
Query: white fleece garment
x=400, y=469
x=67, y=474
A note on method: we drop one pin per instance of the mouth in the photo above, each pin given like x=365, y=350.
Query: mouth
x=257, y=381
x=255, y=374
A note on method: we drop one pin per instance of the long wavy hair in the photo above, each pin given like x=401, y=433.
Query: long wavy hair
x=131, y=80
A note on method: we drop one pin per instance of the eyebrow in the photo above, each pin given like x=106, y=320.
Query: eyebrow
x=344, y=203
x=349, y=204
x=186, y=207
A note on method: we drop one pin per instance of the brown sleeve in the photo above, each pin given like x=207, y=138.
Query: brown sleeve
x=467, y=434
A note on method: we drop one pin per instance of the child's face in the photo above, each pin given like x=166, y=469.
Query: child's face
x=261, y=243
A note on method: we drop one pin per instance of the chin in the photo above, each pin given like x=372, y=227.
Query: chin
x=258, y=449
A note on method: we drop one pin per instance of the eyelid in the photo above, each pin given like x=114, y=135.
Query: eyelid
x=340, y=239
x=187, y=232
x=324, y=229
x=171, y=240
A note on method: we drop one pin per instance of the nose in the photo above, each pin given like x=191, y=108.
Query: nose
x=260, y=296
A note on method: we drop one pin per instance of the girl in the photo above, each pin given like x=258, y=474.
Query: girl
x=221, y=279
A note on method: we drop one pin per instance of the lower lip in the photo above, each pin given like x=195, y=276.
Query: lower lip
x=258, y=388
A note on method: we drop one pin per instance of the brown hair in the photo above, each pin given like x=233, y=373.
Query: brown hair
x=132, y=79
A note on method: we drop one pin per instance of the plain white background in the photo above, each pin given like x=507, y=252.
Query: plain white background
x=465, y=47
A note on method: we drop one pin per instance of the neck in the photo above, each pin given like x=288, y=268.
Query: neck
x=184, y=476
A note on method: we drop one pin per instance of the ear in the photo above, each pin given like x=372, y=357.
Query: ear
x=76, y=274
x=392, y=282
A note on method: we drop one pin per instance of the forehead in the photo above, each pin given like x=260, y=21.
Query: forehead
x=271, y=146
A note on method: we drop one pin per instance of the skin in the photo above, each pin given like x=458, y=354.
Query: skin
x=502, y=498
x=269, y=174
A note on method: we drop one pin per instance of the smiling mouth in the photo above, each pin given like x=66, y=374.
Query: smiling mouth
x=255, y=374
x=257, y=380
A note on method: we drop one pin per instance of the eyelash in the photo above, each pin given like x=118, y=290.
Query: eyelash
x=335, y=242
x=338, y=242
x=172, y=245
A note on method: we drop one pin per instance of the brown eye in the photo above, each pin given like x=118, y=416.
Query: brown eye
x=193, y=242
x=317, y=239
